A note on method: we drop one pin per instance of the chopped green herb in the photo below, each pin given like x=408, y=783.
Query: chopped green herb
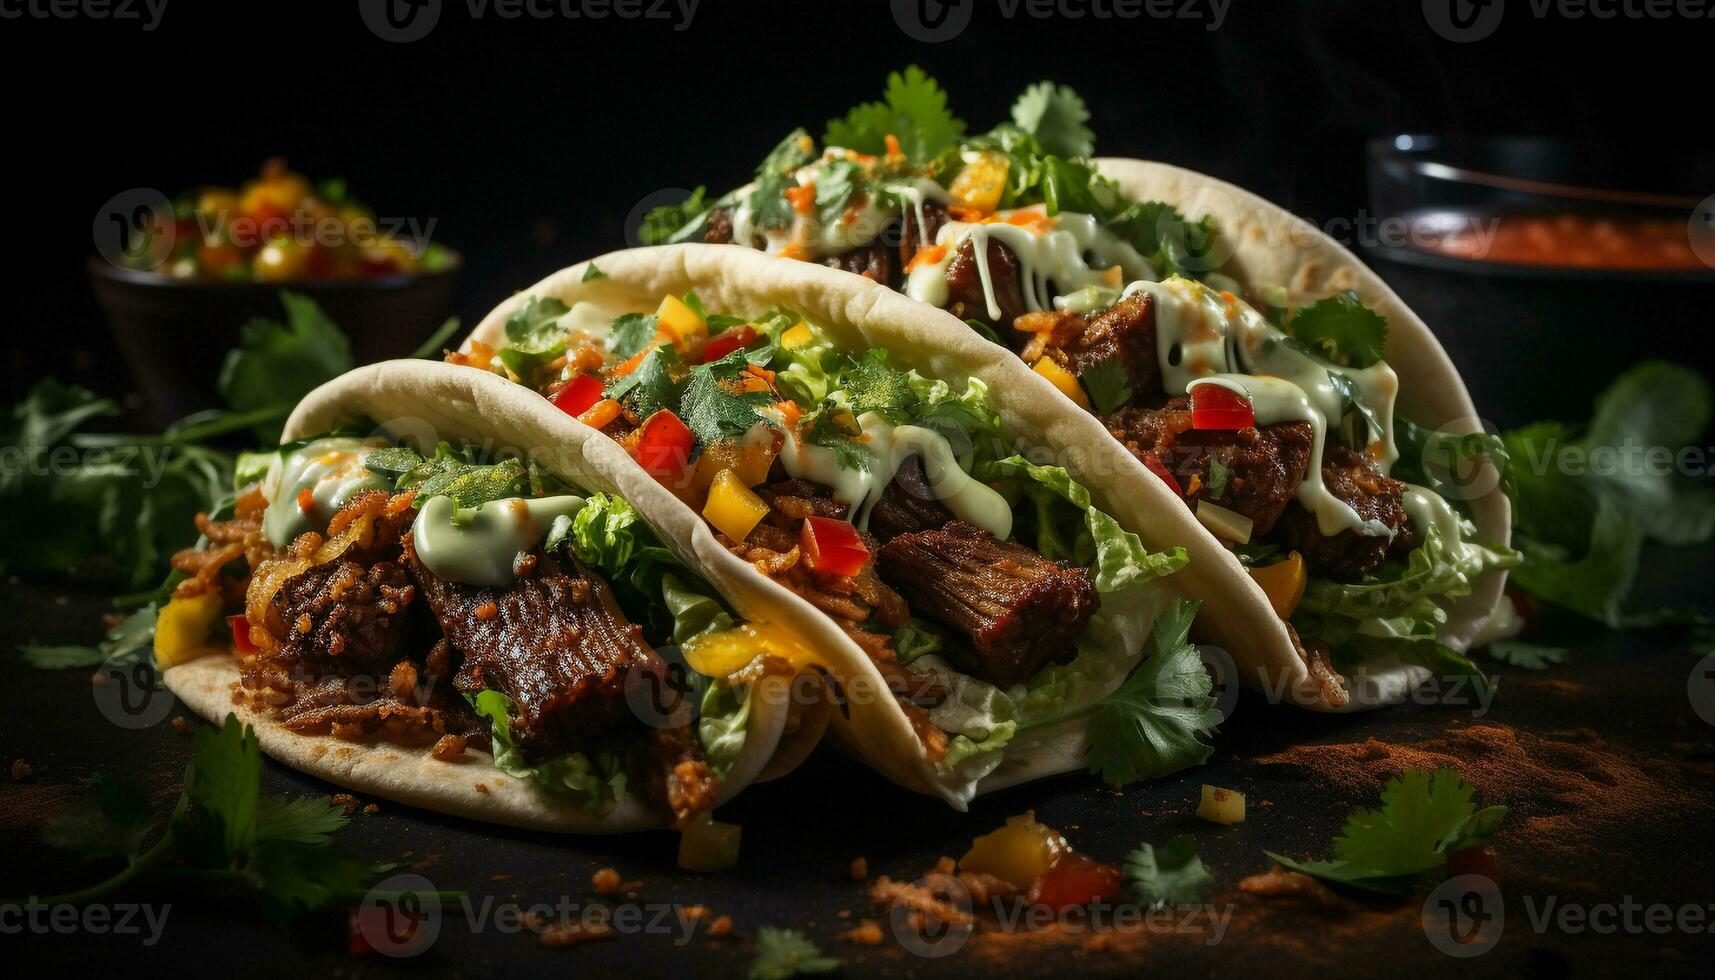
x=632, y=333
x=1169, y=875
x=592, y=273
x=784, y=953
x=1108, y=386
x=1341, y=329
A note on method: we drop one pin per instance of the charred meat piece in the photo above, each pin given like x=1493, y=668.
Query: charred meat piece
x=1017, y=610
x=907, y=504
x=875, y=262
x=1124, y=334
x=965, y=296
x=718, y=231
x=1264, y=465
x=554, y=642
x=346, y=618
x=1349, y=555
x=913, y=236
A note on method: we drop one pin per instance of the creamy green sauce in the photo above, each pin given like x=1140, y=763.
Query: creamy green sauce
x=888, y=447
x=478, y=545
x=331, y=469
x=1201, y=334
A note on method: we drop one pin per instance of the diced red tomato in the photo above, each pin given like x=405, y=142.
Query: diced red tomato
x=726, y=343
x=832, y=546
x=579, y=394
x=664, y=447
x=1215, y=406
x=1076, y=880
x=1480, y=860
x=1159, y=469
x=241, y=634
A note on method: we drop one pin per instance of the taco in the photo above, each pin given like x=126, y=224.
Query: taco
x=884, y=495
x=407, y=607
x=1331, y=475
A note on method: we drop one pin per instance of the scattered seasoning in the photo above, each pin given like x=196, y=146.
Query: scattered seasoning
x=606, y=881
x=564, y=934
x=696, y=913
x=1280, y=883
x=22, y=769
x=860, y=868
x=346, y=802
x=722, y=926
x=866, y=933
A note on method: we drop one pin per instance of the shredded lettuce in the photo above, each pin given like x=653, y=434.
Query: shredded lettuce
x=723, y=725
x=1116, y=557
x=593, y=781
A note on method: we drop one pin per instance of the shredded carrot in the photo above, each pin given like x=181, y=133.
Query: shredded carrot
x=761, y=372
x=803, y=198
x=928, y=255
x=1033, y=218
x=789, y=415
x=795, y=250
x=631, y=363
x=1229, y=297
x=307, y=500
x=401, y=502
x=969, y=216
x=893, y=150
x=598, y=416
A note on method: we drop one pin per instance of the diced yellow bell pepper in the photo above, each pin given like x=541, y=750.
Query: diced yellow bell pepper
x=1063, y=379
x=1283, y=583
x=1224, y=806
x=1018, y=853
x=797, y=335
x=680, y=320
x=181, y=629
x=708, y=845
x=732, y=507
x=726, y=652
x=980, y=184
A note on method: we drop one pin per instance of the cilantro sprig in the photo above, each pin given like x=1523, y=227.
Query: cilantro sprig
x=1169, y=875
x=1422, y=818
x=784, y=953
x=913, y=109
x=1341, y=329
x=224, y=832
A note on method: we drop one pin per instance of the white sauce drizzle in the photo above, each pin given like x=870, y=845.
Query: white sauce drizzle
x=478, y=546
x=331, y=469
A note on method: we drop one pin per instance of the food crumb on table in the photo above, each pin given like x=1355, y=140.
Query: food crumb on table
x=22, y=769
x=860, y=868
x=866, y=933
x=564, y=934
x=181, y=725
x=722, y=926
x=606, y=881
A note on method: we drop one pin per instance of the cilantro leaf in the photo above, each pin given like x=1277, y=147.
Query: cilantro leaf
x=1169, y=875
x=835, y=183
x=1173, y=243
x=1055, y=116
x=276, y=364
x=713, y=408
x=111, y=825
x=914, y=109
x=671, y=222
x=1155, y=722
x=632, y=333
x=534, y=325
x=1341, y=329
x=652, y=386
x=458, y=475
x=1524, y=654
x=299, y=820
x=783, y=953
x=592, y=273
x=871, y=385
x=216, y=817
x=768, y=204
x=1108, y=386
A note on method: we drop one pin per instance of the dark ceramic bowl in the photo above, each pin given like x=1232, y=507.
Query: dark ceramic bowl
x=175, y=333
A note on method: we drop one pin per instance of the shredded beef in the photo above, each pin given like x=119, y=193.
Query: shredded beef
x=912, y=237
x=1265, y=465
x=1018, y=610
x=718, y=231
x=1349, y=555
x=875, y=262
x=908, y=504
x=345, y=617
x=965, y=297
x=686, y=786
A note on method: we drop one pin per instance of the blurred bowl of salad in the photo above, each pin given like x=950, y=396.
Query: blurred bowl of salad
x=186, y=276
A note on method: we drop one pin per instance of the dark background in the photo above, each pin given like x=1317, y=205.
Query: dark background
x=529, y=141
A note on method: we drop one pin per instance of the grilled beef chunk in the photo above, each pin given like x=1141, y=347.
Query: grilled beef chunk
x=1017, y=610
x=1349, y=555
x=346, y=617
x=907, y=504
x=718, y=230
x=555, y=643
x=875, y=262
x=1124, y=334
x=912, y=236
x=965, y=297
x=1264, y=465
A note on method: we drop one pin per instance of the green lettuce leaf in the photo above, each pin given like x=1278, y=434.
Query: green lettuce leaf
x=595, y=783
x=723, y=725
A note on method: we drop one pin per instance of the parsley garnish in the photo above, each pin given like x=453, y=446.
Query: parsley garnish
x=712, y=408
x=1108, y=386
x=1342, y=330
x=1169, y=875
x=1155, y=723
x=592, y=273
x=534, y=325
x=457, y=475
x=871, y=386
x=1422, y=818
x=651, y=387
x=631, y=333
x=783, y=953
x=914, y=110
x=1055, y=116
x=224, y=830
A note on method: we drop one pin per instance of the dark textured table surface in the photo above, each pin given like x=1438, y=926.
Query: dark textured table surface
x=1611, y=799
